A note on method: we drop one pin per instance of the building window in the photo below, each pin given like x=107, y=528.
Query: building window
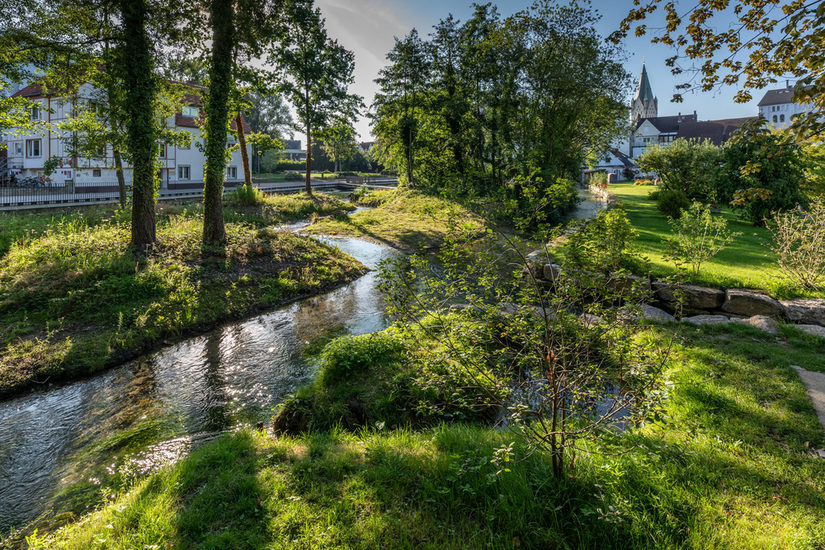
x=96, y=173
x=782, y=117
x=35, y=112
x=185, y=146
x=183, y=173
x=774, y=119
x=193, y=112
x=18, y=149
x=32, y=148
x=232, y=172
x=162, y=150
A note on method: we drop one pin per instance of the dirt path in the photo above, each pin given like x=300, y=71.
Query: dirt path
x=815, y=384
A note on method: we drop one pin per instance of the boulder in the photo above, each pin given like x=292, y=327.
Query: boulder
x=816, y=330
x=762, y=322
x=551, y=272
x=695, y=297
x=747, y=303
x=649, y=313
x=808, y=312
x=590, y=320
x=626, y=284
x=707, y=319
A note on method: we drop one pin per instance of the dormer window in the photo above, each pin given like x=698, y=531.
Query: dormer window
x=192, y=112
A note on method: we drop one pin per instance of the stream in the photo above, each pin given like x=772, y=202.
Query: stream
x=59, y=438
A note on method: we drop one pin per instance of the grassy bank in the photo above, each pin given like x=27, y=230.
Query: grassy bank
x=73, y=299
x=746, y=262
x=728, y=468
x=405, y=220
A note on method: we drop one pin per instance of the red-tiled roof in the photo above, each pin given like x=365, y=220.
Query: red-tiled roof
x=32, y=90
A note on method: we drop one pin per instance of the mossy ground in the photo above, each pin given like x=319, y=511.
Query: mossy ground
x=404, y=219
x=73, y=298
x=730, y=467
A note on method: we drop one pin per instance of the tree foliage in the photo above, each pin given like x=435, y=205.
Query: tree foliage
x=686, y=166
x=492, y=98
x=769, y=41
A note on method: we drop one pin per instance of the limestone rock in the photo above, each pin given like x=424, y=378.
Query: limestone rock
x=816, y=330
x=707, y=319
x=762, y=322
x=650, y=313
x=747, y=303
x=809, y=312
x=695, y=297
x=551, y=272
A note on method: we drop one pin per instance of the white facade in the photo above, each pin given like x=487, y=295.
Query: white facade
x=28, y=151
x=778, y=108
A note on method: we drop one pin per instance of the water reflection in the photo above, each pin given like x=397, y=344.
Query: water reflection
x=194, y=388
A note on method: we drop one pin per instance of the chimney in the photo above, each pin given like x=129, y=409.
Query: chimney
x=694, y=115
x=679, y=118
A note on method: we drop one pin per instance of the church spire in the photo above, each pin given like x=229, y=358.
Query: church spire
x=643, y=90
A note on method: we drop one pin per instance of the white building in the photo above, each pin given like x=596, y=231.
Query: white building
x=181, y=166
x=777, y=107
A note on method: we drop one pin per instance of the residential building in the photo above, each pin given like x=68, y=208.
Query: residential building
x=292, y=150
x=778, y=108
x=181, y=166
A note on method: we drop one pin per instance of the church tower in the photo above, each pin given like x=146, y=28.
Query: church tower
x=645, y=105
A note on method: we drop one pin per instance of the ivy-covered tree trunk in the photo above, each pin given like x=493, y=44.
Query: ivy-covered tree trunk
x=307, y=179
x=136, y=64
x=217, y=115
x=247, y=172
x=121, y=181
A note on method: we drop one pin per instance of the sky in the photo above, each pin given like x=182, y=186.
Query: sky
x=369, y=27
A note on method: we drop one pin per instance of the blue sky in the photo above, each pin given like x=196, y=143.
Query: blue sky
x=368, y=27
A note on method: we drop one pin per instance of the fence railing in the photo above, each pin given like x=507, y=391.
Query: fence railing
x=28, y=194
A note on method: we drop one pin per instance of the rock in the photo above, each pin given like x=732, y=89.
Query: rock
x=590, y=320
x=707, y=319
x=816, y=330
x=762, y=322
x=551, y=272
x=808, y=312
x=626, y=284
x=649, y=313
x=694, y=297
x=744, y=302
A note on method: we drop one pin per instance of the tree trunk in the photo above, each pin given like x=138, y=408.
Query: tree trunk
x=121, y=181
x=217, y=109
x=247, y=173
x=136, y=62
x=307, y=182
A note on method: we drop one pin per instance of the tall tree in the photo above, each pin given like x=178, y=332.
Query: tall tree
x=318, y=72
x=136, y=64
x=217, y=116
x=338, y=142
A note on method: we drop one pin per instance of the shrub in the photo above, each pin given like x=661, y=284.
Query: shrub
x=605, y=243
x=246, y=195
x=698, y=236
x=646, y=181
x=685, y=166
x=670, y=201
x=799, y=243
x=762, y=173
x=284, y=165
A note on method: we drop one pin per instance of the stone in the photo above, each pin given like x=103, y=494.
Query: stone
x=707, y=319
x=551, y=272
x=627, y=284
x=590, y=320
x=649, y=313
x=695, y=297
x=747, y=303
x=762, y=322
x=808, y=312
x=816, y=330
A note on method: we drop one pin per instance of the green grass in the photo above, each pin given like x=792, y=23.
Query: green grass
x=747, y=262
x=73, y=300
x=729, y=468
x=406, y=220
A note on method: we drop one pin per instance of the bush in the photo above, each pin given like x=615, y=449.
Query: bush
x=284, y=165
x=645, y=181
x=605, y=243
x=799, y=243
x=698, y=236
x=246, y=195
x=685, y=166
x=763, y=173
x=671, y=202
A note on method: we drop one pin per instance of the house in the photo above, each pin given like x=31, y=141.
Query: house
x=777, y=107
x=659, y=130
x=617, y=165
x=293, y=151
x=181, y=166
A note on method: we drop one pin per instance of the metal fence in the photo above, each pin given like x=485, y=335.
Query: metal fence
x=31, y=194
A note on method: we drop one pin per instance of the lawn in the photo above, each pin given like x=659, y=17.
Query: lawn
x=747, y=262
x=728, y=467
x=406, y=220
x=74, y=300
